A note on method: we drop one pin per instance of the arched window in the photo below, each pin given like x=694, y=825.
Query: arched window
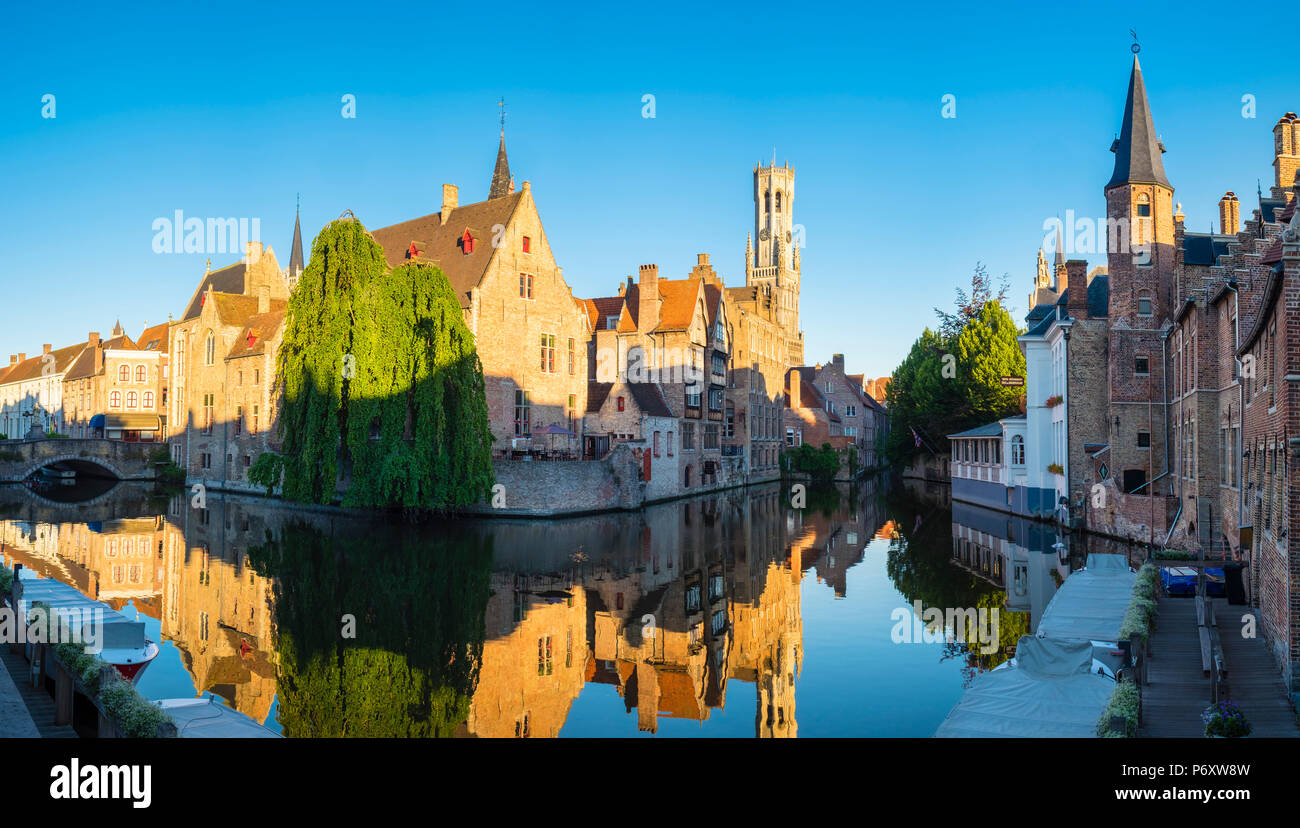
x=778, y=201
x=148, y=399
x=140, y=373
x=123, y=373
x=767, y=203
x=210, y=350
x=115, y=399
x=1017, y=450
x=131, y=398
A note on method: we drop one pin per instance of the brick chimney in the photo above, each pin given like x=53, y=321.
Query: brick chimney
x=46, y=348
x=1076, y=278
x=1286, y=148
x=22, y=357
x=648, y=301
x=96, y=348
x=450, y=201
x=796, y=380
x=263, y=298
x=253, y=252
x=1229, y=214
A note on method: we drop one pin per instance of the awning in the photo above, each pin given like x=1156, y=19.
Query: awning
x=133, y=422
x=97, y=421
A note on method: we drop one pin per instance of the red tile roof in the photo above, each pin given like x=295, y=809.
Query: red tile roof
x=440, y=244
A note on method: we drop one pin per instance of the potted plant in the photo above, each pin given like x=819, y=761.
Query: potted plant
x=1054, y=400
x=1225, y=721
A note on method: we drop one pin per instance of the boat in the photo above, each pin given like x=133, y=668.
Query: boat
x=207, y=718
x=123, y=642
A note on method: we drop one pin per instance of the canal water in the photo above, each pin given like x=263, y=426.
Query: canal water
x=731, y=614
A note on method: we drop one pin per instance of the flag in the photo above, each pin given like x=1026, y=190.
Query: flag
x=916, y=437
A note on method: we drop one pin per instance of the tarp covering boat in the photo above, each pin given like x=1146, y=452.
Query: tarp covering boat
x=1046, y=691
x=1181, y=580
x=208, y=718
x=1090, y=605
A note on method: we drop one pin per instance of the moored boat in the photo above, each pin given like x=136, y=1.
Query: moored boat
x=208, y=718
x=122, y=642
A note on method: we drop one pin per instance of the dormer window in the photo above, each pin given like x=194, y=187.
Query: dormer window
x=412, y=251
x=467, y=243
x=252, y=337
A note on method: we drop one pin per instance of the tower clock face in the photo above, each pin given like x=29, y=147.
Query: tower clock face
x=788, y=236
x=763, y=234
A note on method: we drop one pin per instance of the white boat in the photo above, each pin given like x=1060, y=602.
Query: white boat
x=123, y=642
x=208, y=718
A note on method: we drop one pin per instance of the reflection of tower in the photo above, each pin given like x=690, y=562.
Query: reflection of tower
x=774, y=262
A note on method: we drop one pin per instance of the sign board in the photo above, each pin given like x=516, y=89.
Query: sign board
x=1013, y=381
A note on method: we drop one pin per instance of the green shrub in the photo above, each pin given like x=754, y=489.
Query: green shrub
x=1124, y=701
x=54, y=435
x=172, y=473
x=1141, y=612
x=160, y=454
x=6, y=579
x=136, y=716
x=820, y=464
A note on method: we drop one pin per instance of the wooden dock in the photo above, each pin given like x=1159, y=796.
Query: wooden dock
x=1179, y=689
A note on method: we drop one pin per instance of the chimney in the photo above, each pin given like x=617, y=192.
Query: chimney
x=1076, y=278
x=46, y=348
x=253, y=253
x=1286, y=149
x=450, y=201
x=838, y=361
x=1229, y=214
x=97, y=348
x=13, y=359
x=647, y=316
x=263, y=298
x=796, y=379
x=92, y=339
x=702, y=259
x=22, y=357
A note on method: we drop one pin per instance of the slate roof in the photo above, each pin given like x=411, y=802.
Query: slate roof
x=440, y=244
x=1204, y=248
x=501, y=181
x=32, y=367
x=229, y=279
x=1137, y=150
x=993, y=429
x=295, y=253
x=647, y=396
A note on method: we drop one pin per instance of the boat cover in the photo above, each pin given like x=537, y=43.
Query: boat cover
x=1046, y=691
x=207, y=718
x=1090, y=605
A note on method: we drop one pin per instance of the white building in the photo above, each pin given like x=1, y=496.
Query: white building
x=31, y=391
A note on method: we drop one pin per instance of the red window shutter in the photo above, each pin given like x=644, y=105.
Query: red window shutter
x=527, y=244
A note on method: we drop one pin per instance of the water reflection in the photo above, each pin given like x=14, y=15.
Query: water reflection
x=325, y=625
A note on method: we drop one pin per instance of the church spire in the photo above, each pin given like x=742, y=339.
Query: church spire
x=1137, y=149
x=295, y=254
x=501, y=174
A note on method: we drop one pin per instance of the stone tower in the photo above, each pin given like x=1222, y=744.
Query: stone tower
x=1140, y=259
x=773, y=262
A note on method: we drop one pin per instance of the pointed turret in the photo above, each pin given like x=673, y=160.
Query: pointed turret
x=117, y=329
x=295, y=254
x=502, y=183
x=1137, y=149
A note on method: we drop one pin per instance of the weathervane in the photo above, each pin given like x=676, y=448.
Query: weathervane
x=502, y=104
x=1136, y=47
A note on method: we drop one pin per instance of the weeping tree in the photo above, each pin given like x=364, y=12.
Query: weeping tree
x=381, y=381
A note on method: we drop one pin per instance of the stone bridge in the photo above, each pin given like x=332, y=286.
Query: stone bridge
x=19, y=459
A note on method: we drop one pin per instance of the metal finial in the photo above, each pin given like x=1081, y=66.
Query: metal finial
x=1136, y=47
x=501, y=103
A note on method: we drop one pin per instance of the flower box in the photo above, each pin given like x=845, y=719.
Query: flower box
x=1225, y=720
x=1054, y=400
x=1055, y=468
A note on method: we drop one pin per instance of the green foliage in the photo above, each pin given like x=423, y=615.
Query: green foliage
x=10, y=455
x=53, y=435
x=1124, y=701
x=1141, y=612
x=160, y=454
x=820, y=464
x=268, y=471
x=1226, y=720
x=6, y=579
x=381, y=379
x=419, y=603
x=135, y=716
x=172, y=473
x=951, y=380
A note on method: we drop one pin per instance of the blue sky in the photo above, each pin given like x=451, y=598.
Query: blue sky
x=229, y=111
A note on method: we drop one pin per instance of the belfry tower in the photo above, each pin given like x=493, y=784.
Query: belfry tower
x=773, y=264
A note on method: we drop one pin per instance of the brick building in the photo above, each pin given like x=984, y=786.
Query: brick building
x=528, y=328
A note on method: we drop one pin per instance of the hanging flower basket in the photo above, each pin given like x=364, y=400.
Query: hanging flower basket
x=1055, y=468
x=1225, y=721
x=1054, y=400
